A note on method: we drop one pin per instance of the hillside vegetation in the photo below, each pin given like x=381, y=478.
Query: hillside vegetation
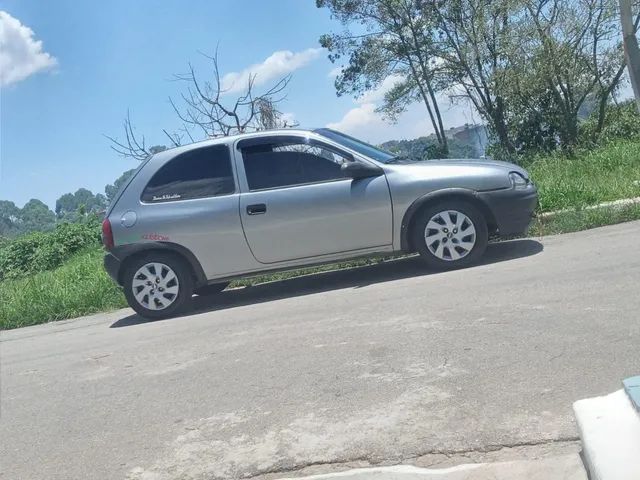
x=78, y=287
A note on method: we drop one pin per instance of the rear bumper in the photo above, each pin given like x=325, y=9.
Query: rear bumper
x=513, y=209
x=112, y=266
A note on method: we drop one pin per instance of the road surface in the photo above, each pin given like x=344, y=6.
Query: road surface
x=377, y=365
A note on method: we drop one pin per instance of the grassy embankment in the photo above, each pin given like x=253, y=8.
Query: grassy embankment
x=78, y=284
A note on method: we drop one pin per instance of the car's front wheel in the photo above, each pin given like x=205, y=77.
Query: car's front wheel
x=450, y=234
x=157, y=285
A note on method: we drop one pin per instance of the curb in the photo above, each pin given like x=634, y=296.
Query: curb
x=616, y=203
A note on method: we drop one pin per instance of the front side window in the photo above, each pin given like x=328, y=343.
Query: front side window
x=282, y=164
x=204, y=172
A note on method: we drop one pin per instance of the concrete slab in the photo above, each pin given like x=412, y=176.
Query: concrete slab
x=566, y=467
x=610, y=431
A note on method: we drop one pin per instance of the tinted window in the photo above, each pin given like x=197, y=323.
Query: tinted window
x=284, y=164
x=205, y=172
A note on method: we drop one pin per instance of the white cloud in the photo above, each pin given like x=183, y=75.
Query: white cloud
x=361, y=116
x=289, y=118
x=377, y=95
x=334, y=72
x=21, y=55
x=277, y=65
x=364, y=118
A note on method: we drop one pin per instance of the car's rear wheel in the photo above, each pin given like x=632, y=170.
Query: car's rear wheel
x=450, y=234
x=157, y=285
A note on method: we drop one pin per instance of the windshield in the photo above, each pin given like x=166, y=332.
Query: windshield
x=356, y=145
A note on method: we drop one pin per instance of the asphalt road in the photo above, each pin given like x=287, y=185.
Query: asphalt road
x=379, y=364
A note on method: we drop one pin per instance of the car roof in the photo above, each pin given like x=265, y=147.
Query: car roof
x=232, y=138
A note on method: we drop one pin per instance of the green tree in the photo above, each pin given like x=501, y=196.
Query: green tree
x=112, y=189
x=9, y=219
x=75, y=206
x=36, y=216
x=478, y=43
x=398, y=42
x=574, y=47
x=531, y=68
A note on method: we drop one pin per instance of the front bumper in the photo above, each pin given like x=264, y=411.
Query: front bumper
x=112, y=266
x=513, y=209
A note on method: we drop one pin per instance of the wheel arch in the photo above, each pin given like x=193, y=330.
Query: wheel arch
x=464, y=194
x=127, y=253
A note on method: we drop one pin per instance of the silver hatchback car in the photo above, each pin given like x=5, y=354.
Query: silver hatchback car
x=195, y=217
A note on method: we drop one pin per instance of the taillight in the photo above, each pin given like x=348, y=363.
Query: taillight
x=107, y=234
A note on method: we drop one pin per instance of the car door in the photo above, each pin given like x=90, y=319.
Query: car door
x=297, y=203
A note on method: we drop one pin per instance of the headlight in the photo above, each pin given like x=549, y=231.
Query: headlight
x=518, y=180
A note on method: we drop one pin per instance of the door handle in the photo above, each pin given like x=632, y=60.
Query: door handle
x=256, y=209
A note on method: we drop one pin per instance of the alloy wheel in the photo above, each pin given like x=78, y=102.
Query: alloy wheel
x=155, y=286
x=450, y=235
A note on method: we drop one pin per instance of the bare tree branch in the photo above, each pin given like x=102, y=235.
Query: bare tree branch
x=132, y=146
x=209, y=109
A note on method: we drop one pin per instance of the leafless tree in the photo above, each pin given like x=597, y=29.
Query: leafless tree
x=133, y=145
x=207, y=110
x=204, y=108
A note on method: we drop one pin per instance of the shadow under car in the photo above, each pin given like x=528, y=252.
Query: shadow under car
x=356, y=277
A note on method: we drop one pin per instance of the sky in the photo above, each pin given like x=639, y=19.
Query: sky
x=70, y=71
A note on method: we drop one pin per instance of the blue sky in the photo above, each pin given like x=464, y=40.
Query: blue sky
x=98, y=59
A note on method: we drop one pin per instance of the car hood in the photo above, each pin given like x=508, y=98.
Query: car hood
x=464, y=162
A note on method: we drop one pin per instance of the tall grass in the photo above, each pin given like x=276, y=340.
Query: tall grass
x=78, y=287
x=608, y=173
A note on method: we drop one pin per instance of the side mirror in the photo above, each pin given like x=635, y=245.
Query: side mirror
x=358, y=170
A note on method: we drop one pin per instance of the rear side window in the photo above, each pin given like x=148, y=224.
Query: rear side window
x=205, y=172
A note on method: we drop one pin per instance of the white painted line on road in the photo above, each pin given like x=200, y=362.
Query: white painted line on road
x=395, y=473
x=566, y=467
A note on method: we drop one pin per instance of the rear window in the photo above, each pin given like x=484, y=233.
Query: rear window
x=205, y=172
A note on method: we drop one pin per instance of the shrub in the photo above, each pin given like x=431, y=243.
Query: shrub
x=622, y=122
x=37, y=252
x=78, y=287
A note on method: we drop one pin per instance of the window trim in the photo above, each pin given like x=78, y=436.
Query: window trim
x=176, y=157
x=288, y=139
x=294, y=185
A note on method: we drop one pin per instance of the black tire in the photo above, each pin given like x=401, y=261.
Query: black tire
x=473, y=214
x=182, y=273
x=211, y=289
